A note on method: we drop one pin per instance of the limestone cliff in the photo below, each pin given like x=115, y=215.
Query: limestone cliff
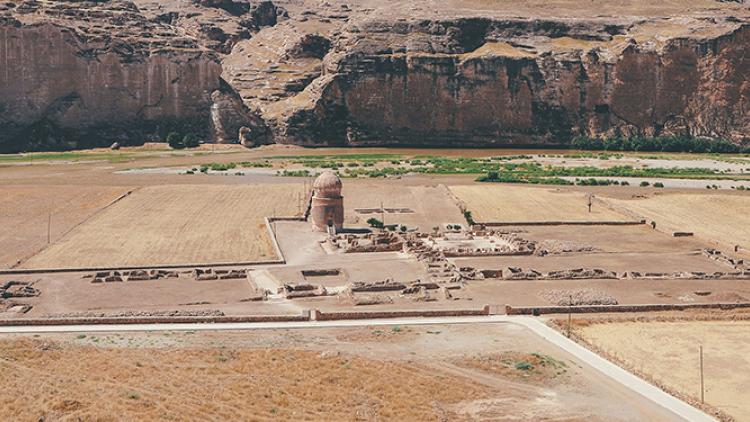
x=96, y=73
x=371, y=72
x=499, y=82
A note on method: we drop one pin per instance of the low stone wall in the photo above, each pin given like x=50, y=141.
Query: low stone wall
x=332, y=316
x=562, y=223
x=17, y=271
x=154, y=320
x=539, y=310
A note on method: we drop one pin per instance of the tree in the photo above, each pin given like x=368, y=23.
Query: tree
x=469, y=218
x=175, y=140
x=375, y=223
x=191, y=140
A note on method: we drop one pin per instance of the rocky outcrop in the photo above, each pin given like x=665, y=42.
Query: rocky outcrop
x=83, y=74
x=417, y=72
x=502, y=82
x=233, y=122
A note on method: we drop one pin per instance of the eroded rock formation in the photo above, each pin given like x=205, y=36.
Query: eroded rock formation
x=371, y=72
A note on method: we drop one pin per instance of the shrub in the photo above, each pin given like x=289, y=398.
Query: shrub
x=645, y=184
x=191, y=140
x=403, y=228
x=375, y=223
x=469, y=218
x=524, y=366
x=658, y=185
x=175, y=140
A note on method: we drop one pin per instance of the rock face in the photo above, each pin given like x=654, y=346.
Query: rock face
x=478, y=82
x=371, y=72
x=233, y=122
x=99, y=71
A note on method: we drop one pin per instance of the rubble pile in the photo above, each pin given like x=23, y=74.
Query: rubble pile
x=370, y=242
x=18, y=289
x=719, y=256
x=577, y=297
x=296, y=291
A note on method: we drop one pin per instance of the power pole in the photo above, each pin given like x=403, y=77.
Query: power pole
x=702, y=387
x=570, y=313
x=382, y=214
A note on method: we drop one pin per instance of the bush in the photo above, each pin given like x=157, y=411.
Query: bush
x=469, y=218
x=175, y=140
x=524, y=366
x=191, y=140
x=645, y=184
x=375, y=223
x=403, y=228
x=658, y=185
x=656, y=143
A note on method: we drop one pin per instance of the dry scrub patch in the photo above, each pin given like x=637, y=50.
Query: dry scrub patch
x=528, y=367
x=176, y=224
x=506, y=203
x=668, y=353
x=719, y=217
x=393, y=334
x=49, y=380
x=25, y=213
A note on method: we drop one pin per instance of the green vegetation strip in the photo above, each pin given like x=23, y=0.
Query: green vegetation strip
x=490, y=169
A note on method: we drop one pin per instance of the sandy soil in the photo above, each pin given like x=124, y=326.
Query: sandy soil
x=383, y=373
x=716, y=217
x=495, y=202
x=431, y=205
x=26, y=211
x=668, y=351
x=176, y=225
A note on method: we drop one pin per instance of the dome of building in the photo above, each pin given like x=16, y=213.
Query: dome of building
x=327, y=185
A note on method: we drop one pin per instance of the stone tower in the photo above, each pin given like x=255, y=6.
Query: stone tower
x=327, y=208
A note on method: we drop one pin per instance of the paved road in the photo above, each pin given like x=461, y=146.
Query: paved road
x=619, y=375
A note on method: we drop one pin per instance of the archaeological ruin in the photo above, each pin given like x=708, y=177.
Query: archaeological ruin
x=327, y=207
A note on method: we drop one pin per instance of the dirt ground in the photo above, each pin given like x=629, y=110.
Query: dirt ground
x=430, y=205
x=26, y=213
x=504, y=203
x=669, y=352
x=367, y=373
x=721, y=218
x=176, y=225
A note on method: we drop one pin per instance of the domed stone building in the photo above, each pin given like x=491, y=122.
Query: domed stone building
x=327, y=208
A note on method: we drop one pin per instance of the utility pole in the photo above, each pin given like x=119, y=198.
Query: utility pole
x=382, y=214
x=702, y=387
x=570, y=313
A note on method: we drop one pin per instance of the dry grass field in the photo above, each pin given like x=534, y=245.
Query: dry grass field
x=52, y=381
x=508, y=203
x=719, y=217
x=668, y=351
x=25, y=213
x=176, y=224
x=399, y=373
